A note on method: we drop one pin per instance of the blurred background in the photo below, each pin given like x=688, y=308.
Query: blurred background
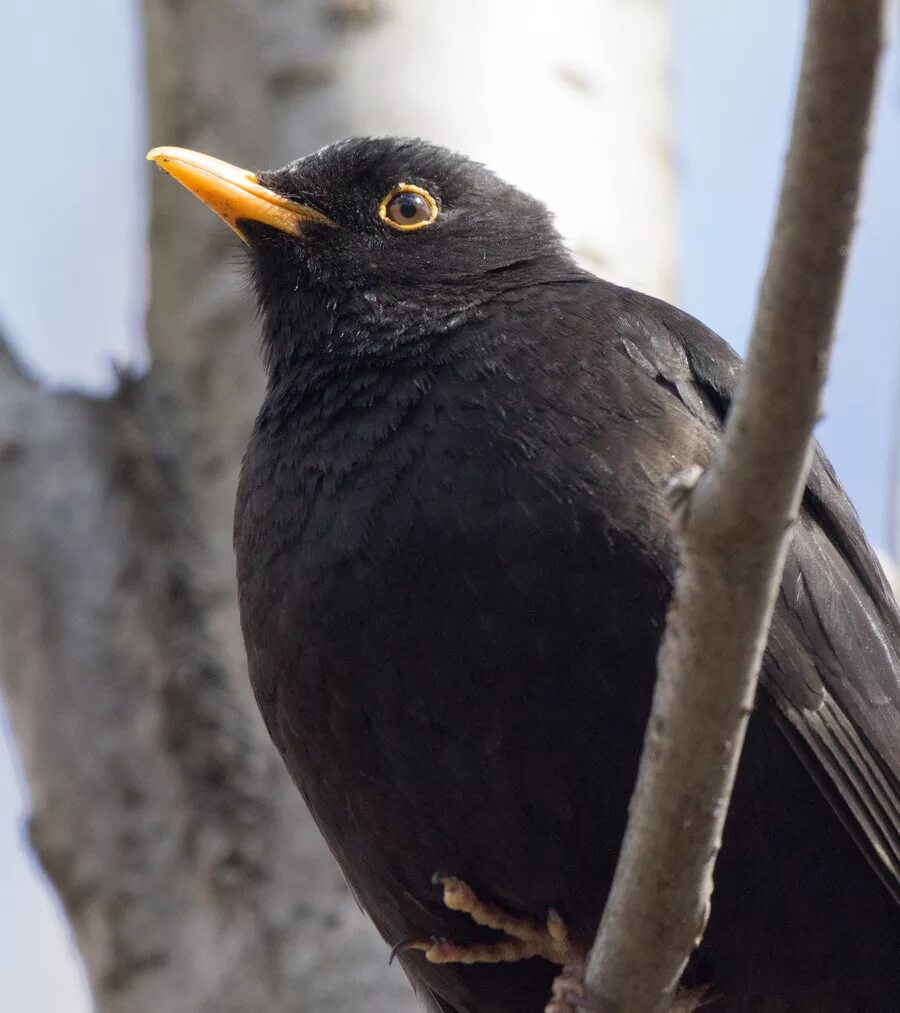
x=655, y=130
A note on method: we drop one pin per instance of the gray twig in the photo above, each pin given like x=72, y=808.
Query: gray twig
x=733, y=528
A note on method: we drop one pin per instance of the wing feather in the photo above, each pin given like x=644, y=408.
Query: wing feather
x=832, y=667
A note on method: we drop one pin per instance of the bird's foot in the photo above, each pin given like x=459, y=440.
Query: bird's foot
x=525, y=937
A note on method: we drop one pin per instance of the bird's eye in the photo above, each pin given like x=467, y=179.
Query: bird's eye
x=408, y=207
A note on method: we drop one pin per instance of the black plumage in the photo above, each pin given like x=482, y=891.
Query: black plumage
x=454, y=560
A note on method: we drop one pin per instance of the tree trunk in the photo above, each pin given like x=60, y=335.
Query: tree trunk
x=193, y=877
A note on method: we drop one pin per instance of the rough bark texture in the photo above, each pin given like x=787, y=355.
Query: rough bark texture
x=733, y=524
x=193, y=877
x=181, y=852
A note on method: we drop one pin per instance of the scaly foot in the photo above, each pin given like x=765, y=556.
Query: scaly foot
x=525, y=937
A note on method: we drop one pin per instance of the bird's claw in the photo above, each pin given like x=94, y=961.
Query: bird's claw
x=524, y=937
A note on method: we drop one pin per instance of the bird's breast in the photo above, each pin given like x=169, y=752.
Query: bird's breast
x=426, y=630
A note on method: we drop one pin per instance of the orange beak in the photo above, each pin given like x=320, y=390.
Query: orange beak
x=234, y=194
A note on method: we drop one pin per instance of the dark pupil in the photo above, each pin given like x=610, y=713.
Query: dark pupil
x=410, y=204
x=409, y=208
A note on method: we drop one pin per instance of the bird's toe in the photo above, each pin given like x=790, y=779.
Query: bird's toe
x=523, y=937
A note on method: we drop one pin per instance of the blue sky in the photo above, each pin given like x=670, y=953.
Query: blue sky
x=82, y=123
x=734, y=69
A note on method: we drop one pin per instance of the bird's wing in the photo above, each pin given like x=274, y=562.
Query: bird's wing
x=833, y=662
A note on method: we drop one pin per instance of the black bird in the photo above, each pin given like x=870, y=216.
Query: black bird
x=454, y=558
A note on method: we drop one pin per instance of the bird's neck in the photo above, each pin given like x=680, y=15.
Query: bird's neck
x=359, y=354
x=311, y=334
x=329, y=424
x=339, y=383
x=323, y=348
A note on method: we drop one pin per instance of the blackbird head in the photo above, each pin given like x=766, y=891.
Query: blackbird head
x=369, y=242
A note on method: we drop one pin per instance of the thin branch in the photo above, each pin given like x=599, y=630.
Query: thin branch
x=733, y=524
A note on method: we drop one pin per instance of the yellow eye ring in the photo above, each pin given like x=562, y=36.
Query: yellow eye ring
x=407, y=207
